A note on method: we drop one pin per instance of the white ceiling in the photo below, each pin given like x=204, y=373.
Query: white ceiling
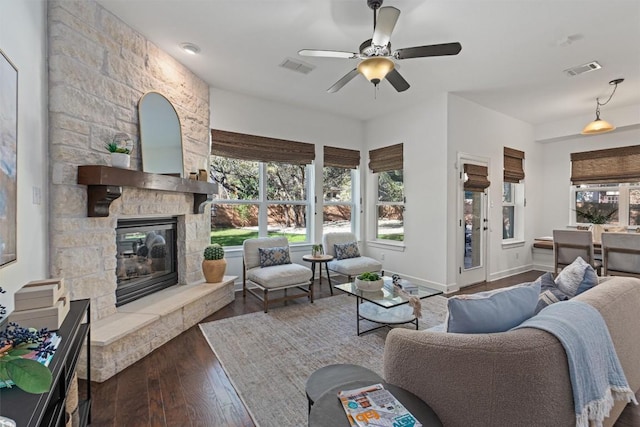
x=511, y=59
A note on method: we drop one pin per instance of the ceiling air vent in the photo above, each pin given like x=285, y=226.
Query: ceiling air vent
x=584, y=68
x=298, y=66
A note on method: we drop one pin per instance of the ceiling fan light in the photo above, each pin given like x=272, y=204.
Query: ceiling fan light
x=597, y=126
x=375, y=69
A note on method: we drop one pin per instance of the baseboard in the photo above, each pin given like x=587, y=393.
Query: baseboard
x=510, y=272
x=435, y=285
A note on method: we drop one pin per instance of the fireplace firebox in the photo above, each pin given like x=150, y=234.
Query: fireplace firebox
x=146, y=257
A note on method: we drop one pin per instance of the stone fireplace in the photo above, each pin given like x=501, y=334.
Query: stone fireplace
x=99, y=68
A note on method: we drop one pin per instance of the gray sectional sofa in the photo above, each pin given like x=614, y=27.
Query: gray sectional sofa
x=514, y=378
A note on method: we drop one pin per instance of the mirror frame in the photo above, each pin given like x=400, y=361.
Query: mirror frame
x=147, y=165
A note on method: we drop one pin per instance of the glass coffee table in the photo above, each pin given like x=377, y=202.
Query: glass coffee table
x=385, y=307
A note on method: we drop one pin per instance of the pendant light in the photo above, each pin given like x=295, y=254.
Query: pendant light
x=599, y=126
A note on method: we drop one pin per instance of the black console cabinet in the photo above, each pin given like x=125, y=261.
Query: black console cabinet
x=48, y=409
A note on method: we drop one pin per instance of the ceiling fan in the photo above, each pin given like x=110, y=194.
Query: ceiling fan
x=377, y=58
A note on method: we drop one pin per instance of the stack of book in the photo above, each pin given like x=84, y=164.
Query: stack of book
x=408, y=287
x=403, y=284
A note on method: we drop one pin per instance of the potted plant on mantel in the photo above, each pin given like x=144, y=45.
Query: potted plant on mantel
x=120, y=149
x=214, y=265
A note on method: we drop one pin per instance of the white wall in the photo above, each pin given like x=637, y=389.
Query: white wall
x=23, y=40
x=479, y=131
x=241, y=113
x=422, y=130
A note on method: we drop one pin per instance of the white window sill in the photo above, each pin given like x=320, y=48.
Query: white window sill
x=507, y=244
x=389, y=245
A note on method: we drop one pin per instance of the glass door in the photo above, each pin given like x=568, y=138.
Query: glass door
x=473, y=222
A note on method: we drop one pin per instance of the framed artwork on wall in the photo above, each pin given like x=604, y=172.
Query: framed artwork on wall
x=8, y=160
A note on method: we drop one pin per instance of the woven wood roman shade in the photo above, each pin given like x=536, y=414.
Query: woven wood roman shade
x=341, y=158
x=260, y=148
x=386, y=159
x=612, y=165
x=513, y=167
x=476, y=177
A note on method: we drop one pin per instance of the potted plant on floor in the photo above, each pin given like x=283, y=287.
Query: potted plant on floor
x=214, y=265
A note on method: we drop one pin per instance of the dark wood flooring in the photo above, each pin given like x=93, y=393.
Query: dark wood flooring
x=183, y=384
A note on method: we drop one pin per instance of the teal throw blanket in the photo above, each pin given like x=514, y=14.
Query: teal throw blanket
x=596, y=375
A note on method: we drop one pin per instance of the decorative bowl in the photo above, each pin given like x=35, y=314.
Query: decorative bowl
x=369, y=285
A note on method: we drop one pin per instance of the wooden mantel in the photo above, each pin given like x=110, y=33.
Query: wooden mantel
x=105, y=185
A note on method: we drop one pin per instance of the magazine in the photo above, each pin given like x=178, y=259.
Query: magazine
x=54, y=339
x=374, y=406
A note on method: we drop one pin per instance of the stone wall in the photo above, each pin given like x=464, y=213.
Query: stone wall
x=99, y=68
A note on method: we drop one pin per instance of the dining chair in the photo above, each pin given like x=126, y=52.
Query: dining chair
x=621, y=254
x=571, y=244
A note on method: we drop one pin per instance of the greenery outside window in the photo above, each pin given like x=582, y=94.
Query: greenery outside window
x=338, y=204
x=258, y=199
x=390, y=206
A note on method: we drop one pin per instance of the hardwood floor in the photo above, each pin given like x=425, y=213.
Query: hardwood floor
x=183, y=384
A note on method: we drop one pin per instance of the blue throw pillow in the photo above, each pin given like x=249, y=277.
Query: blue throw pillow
x=576, y=278
x=549, y=292
x=274, y=256
x=346, y=250
x=492, y=311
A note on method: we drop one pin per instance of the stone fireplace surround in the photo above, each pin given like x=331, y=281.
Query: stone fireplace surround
x=99, y=68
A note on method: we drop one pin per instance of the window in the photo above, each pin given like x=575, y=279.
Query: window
x=513, y=195
x=338, y=189
x=606, y=186
x=606, y=203
x=250, y=191
x=338, y=206
x=390, y=206
x=387, y=164
x=263, y=188
x=508, y=210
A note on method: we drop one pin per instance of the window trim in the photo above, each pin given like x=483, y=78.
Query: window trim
x=518, y=203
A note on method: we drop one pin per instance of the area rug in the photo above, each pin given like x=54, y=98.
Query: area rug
x=269, y=356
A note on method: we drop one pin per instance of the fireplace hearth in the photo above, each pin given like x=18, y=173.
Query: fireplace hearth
x=146, y=257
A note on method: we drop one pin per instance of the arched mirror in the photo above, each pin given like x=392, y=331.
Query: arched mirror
x=160, y=135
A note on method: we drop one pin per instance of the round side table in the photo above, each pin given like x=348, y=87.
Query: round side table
x=331, y=376
x=319, y=259
x=328, y=412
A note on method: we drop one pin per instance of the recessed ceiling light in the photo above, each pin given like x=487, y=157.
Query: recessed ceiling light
x=190, y=48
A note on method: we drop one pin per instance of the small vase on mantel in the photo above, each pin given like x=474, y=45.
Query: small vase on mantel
x=120, y=160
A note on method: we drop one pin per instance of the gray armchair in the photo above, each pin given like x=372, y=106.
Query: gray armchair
x=348, y=266
x=275, y=277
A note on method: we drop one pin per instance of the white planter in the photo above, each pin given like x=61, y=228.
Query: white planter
x=120, y=160
x=369, y=285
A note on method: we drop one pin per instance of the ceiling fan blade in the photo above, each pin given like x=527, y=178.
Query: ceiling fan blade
x=386, y=21
x=327, y=53
x=343, y=81
x=397, y=81
x=429, y=50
